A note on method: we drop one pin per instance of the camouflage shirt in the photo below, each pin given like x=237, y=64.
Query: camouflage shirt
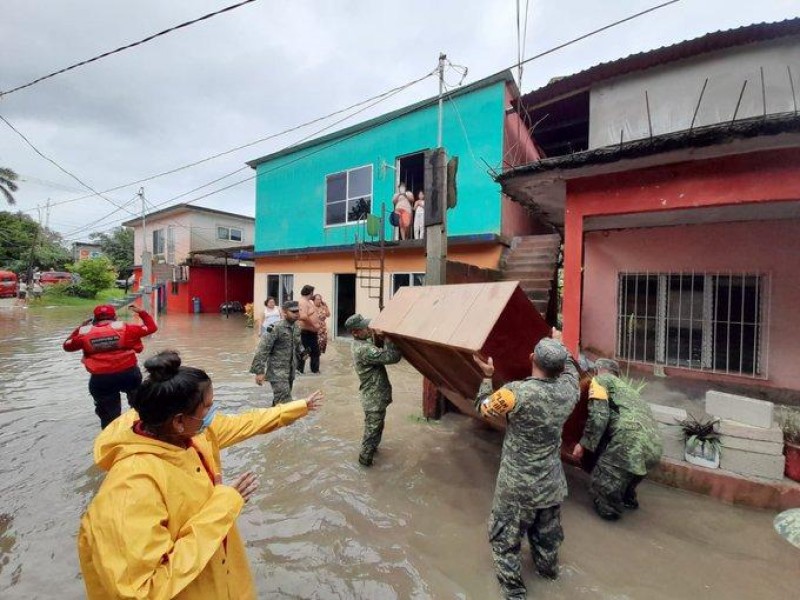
x=370, y=365
x=531, y=474
x=277, y=353
x=617, y=411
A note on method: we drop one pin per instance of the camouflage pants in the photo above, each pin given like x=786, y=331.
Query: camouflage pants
x=612, y=487
x=281, y=391
x=373, y=431
x=543, y=529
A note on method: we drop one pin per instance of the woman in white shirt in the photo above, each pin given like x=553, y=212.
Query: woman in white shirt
x=272, y=314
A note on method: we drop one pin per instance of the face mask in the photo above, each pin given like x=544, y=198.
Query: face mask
x=206, y=420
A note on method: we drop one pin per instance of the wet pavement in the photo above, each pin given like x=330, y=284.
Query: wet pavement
x=320, y=526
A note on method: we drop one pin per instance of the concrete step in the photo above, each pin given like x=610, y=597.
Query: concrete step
x=528, y=273
x=528, y=240
x=531, y=261
x=538, y=295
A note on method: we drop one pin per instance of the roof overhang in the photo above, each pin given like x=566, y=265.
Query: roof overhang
x=541, y=186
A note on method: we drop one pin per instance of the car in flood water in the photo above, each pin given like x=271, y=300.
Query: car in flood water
x=8, y=284
x=54, y=277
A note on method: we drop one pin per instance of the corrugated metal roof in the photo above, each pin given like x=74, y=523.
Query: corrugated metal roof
x=710, y=42
x=699, y=137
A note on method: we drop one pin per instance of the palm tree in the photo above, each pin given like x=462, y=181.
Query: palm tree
x=7, y=185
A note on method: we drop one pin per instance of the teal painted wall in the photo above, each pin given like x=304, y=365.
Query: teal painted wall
x=290, y=189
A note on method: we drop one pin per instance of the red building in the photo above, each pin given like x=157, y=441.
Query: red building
x=674, y=178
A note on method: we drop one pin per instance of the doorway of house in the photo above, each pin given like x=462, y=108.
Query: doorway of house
x=411, y=171
x=345, y=284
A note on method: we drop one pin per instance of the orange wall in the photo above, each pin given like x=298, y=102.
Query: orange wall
x=406, y=260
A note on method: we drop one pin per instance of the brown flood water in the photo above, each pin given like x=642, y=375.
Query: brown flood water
x=412, y=527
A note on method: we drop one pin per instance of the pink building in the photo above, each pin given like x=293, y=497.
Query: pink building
x=674, y=178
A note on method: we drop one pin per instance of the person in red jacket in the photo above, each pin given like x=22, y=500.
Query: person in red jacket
x=109, y=354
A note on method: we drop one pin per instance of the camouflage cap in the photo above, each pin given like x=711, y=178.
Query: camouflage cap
x=787, y=524
x=356, y=321
x=550, y=354
x=291, y=305
x=607, y=364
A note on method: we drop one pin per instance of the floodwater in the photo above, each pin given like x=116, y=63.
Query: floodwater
x=412, y=527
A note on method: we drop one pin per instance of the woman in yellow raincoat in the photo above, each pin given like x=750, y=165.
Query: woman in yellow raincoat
x=162, y=524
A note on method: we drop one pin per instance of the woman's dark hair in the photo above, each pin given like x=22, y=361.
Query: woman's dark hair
x=307, y=290
x=169, y=389
x=266, y=302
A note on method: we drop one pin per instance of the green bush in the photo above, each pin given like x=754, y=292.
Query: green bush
x=74, y=290
x=96, y=274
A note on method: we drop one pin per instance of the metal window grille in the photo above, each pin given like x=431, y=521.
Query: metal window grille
x=704, y=321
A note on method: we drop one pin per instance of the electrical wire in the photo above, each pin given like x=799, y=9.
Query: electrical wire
x=375, y=100
x=248, y=144
x=126, y=47
x=53, y=162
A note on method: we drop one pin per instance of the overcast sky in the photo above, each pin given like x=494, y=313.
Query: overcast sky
x=262, y=68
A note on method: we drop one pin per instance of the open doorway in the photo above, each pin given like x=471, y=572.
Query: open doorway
x=411, y=171
x=345, y=285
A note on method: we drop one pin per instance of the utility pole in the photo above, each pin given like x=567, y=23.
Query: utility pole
x=146, y=283
x=436, y=204
x=29, y=272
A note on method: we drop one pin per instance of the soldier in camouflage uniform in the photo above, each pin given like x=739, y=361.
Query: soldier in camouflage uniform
x=278, y=354
x=530, y=483
x=621, y=429
x=375, y=390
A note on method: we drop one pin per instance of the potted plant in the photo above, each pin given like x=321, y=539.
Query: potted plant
x=702, y=441
x=248, y=313
x=790, y=424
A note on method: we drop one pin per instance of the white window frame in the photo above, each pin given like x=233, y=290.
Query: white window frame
x=708, y=323
x=162, y=236
x=411, y=283
x=347, y=197
x=281, y=296
x=229, y=236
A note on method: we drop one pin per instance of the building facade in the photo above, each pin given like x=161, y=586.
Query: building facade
x=674, y=176
x=197, y=252
x=313, y=200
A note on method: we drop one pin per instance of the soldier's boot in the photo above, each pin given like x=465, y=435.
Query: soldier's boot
x=629, y=498
x=549, y=571
x=365, y=459
x=606, y=510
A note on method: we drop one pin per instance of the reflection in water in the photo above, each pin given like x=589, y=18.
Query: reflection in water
x=414, y=526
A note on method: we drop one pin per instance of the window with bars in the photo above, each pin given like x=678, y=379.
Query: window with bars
x=704, y=321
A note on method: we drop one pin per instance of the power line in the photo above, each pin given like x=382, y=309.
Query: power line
x=374, y=101
x=339, y=140
x=248, y=144
x=126, y=47
x=53, y=162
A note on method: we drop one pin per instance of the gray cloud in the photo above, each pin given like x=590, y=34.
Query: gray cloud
x=265, y=67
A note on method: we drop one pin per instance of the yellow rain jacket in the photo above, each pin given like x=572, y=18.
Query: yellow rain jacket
x=158, y=527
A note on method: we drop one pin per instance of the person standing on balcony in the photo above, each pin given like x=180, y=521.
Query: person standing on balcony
x=530, y=483
x=375, y=390
x=622, y=430
x=109, y=354
x=279, y=352
x=419, y=216
x=309, y=329
x=402, y=206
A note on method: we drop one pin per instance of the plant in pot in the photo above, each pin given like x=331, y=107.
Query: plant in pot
x=790, y=424
x=249, y=314
x=702, y=441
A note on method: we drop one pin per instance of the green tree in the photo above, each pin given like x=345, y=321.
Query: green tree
x=96, y=274
x=8, y=184
x=18, y=234
x=118, y=246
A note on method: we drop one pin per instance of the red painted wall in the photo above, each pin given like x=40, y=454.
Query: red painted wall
x=771, y=248
x=208, y=283
x=518, y=149
x=744, y=178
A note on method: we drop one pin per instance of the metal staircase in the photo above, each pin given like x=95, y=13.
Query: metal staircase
x=369, y=260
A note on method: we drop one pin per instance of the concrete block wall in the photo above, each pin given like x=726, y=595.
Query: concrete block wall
x=671, y=433
x=749, y=411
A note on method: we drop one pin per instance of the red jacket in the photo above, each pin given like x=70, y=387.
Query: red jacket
x=110, y=346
